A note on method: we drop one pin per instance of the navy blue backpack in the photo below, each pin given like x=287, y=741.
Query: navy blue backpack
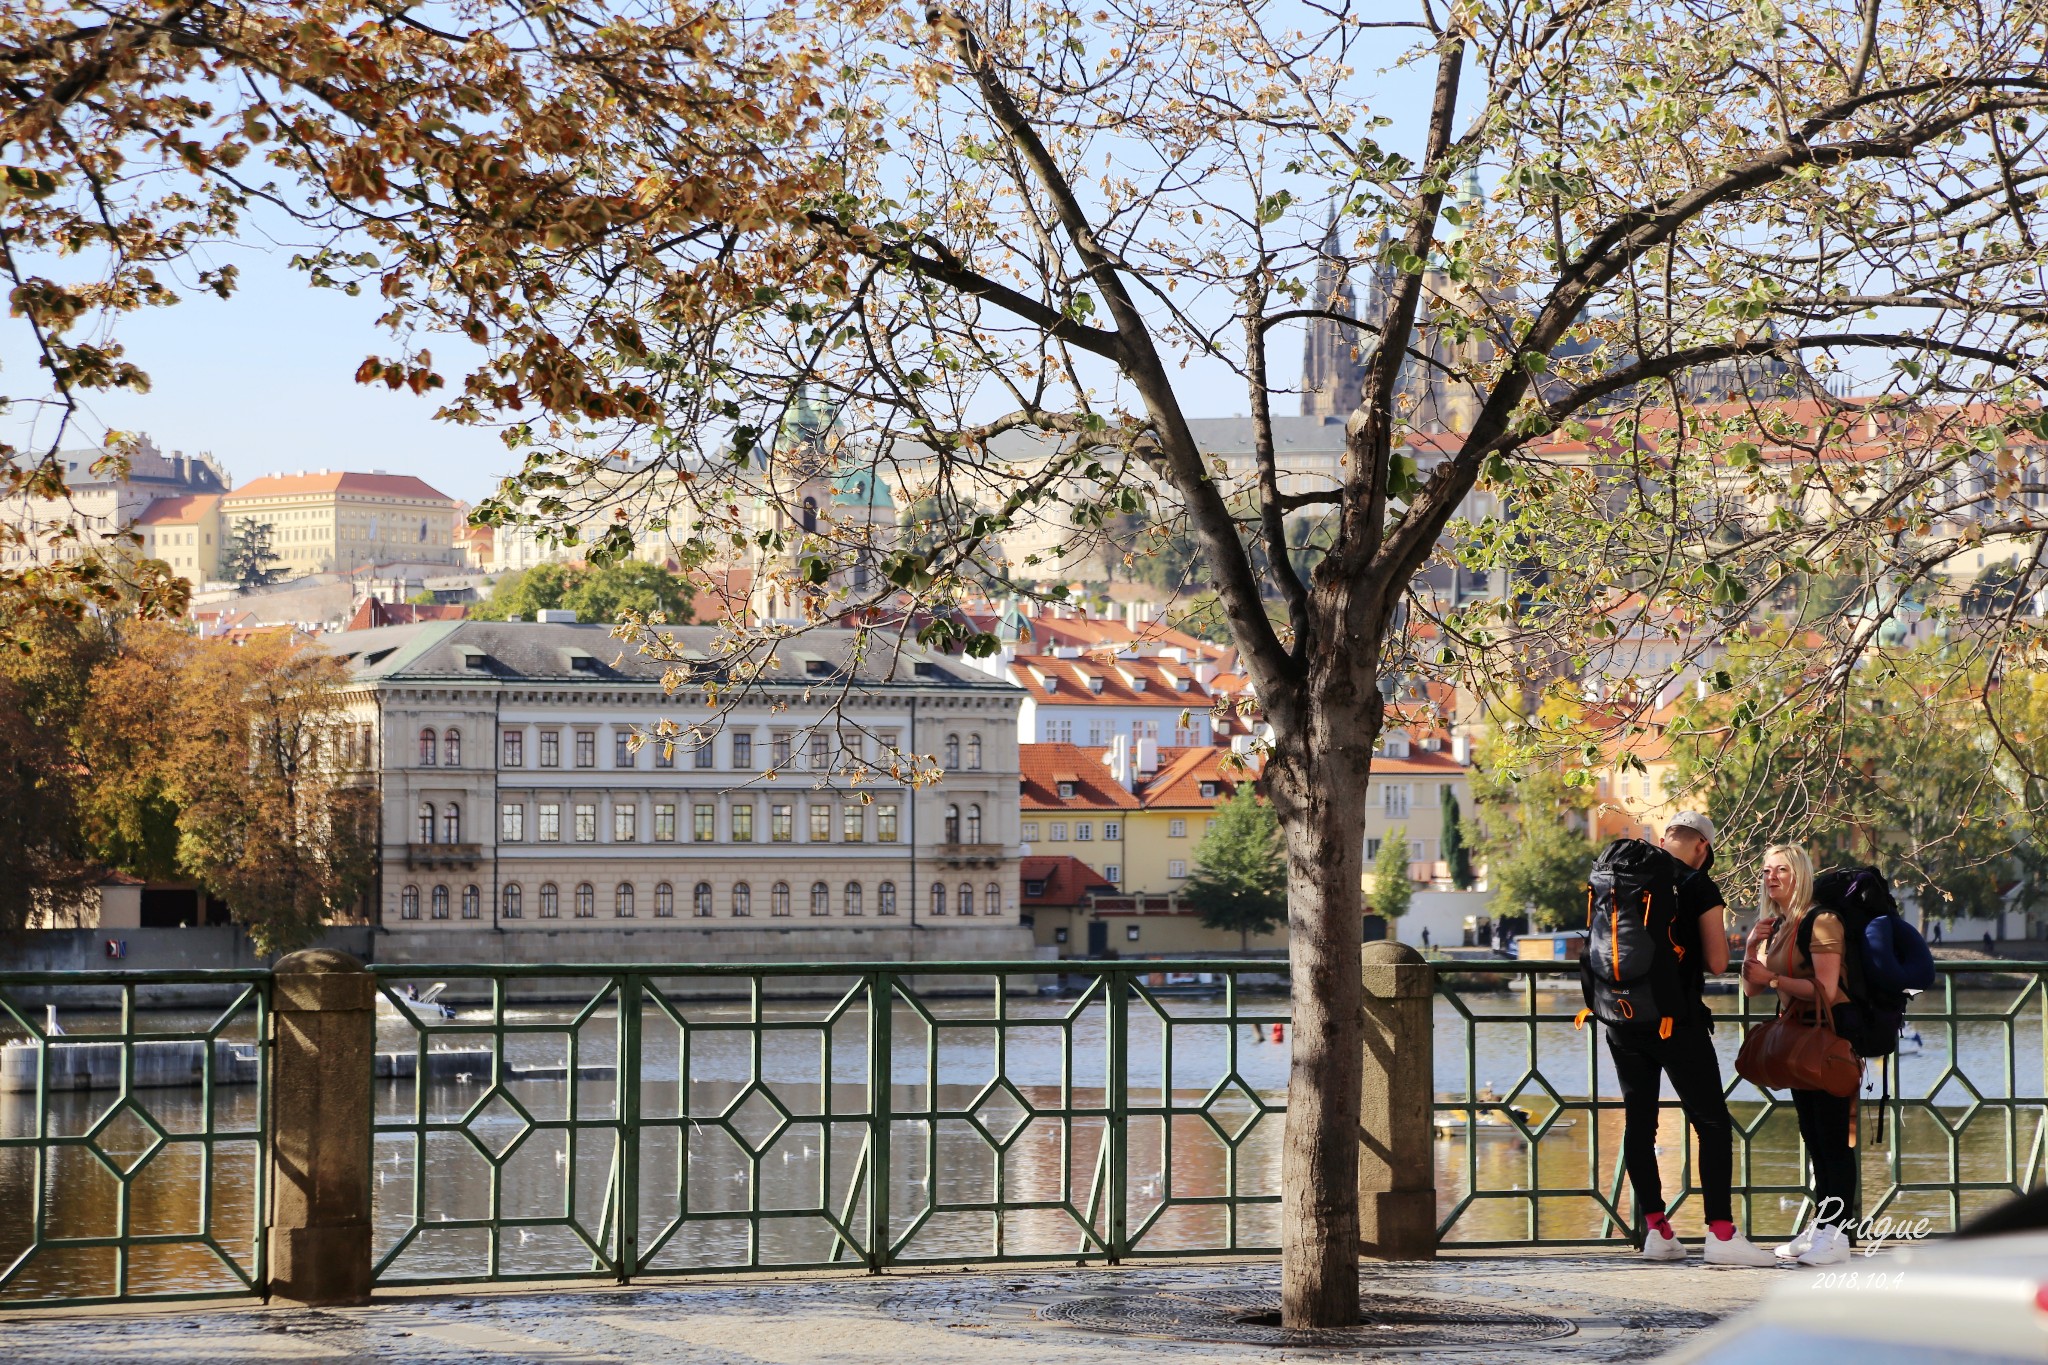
x=1885, y=962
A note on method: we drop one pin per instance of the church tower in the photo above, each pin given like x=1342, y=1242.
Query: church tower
x=1332, y=354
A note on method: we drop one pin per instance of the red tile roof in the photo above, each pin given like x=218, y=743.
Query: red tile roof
x=1183, y=773
x=1045, y=766
x=1147, y=681
x=1061, y=880
x=340, y=481
x=372, y=612
x=177, y=511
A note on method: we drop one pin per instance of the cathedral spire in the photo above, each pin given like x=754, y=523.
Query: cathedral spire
x=1331, y=373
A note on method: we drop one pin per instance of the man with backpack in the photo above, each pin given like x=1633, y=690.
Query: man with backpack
x=1658, y=928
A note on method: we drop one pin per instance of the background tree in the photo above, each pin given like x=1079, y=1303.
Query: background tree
x=246, y=557
x=45, y=861
x=598, y=595
x=1455, y=854
x=1393, y=890
x=1537, y=856
x=1240, y=879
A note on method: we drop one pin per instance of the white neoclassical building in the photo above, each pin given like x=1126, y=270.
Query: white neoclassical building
x=526, y=816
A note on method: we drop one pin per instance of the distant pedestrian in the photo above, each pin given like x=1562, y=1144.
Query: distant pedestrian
x=1425, y=938
x=1990, y=946
x=1937, y=931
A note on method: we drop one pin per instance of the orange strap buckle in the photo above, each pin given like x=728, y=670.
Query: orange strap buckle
x=1579, y=1019
x=1664, y=1027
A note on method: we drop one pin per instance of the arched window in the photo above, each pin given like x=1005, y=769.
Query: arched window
x=586, y=900
x=742, y=900
x=409, y=903
x=885, y=899
x=426, y=822
x=973, y=753
x=429, y=741
x=472, y=903
x=991, y=899
x=778, y=899
x=550, y=901
x=853, y=899
x=664, y=901
x=821, y=899
x=451, y=748
x=974, y=824
x=938, y=898
x=810, y=514
x=622, y=901
x=451, y=824
x=952, y=824
x=440, y=910
x=511, y=908
x=967, y=898
x=700, y=900
x=952, y=753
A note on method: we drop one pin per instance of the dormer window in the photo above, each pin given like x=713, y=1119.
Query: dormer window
x=1137, y=684
x=1034, y=888
x=1052, y=684
x=1095, y=685
x=1183, y=684
x=1209, y=789
x=1397, y=744
x=1067, y=790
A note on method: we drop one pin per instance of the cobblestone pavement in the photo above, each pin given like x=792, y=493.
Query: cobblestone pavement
x=1551, y=1308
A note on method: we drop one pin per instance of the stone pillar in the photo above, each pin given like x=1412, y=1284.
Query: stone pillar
x=1397, y=1157
x=324, y=1040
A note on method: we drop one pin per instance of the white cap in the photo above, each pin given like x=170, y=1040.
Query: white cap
x=1693, y=820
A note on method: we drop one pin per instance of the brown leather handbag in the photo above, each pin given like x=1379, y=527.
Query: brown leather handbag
x=1800, y=1051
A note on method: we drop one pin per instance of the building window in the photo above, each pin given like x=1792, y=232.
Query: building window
x=1113, y=874
x=515, y=748
x=472, y=903
x=1059, y=936
x=1059, y=832
x=550, y=901
x=451, y=749
x=665, y=754
x=1059, y=731
x=1394, y=800
x=426, y=826
x=622, y=749
x=625, y=824
x=991, y=899
x=509, y=902
x=778, y=899
x=853, y=899
x=1131, y=934
x=586, y=901
x=938, y=898
x=966, y=898
x=1209, y=790
x=704, y=754
x=1084, y=829
x=952, y=753
x=1372, y=849
x=780, y=748
x=821, y=751
x=974, y=824
x=700, y=900
x=704, y=822
x=1176, y=828
x=665, y=822
x=974, y=753
x=743, y=752
x=781, y=823
x=550, y=749
x=742, y=900
x=586, y=822
x=889, y=742
x=511, y=823
x=429, y=742
x=409, y=903
x=664, y=901
x=622, y=901
x=1030, y=831
x=821, y=823
x=821, y=899
x=885, y=899
x=1208, y=824
x=451, y=824
x=586, y=748
x=885, y=824
x=952, y=824
x=440, y=902
x=550, y=823
x=1067, y=790
x=853, y=823
x=1177, y=868
x=1112, y=829
x=743, y=824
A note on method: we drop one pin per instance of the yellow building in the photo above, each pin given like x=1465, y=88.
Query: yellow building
x=331, y=521
x=184, y=533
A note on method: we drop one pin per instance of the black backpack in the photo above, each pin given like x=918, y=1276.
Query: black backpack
x=1633, y=971
x=1885, y=962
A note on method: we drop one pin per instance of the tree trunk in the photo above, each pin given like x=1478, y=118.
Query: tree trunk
x=1317, y=782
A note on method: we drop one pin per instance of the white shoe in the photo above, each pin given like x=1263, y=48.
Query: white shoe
x=1658, y=1246
x=1798, y=1246
x=1830, y=1247
x=1737, y=1250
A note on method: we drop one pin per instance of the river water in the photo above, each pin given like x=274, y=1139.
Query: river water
x=714, y=1144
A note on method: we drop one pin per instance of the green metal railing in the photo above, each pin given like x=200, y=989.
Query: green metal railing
x=1535, y=1155
x=130, y=1165
x=905, y=1115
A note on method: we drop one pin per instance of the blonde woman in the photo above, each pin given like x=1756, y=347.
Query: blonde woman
x=1772, y=961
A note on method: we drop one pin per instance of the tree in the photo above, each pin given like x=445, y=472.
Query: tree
x=598, y=596
x=1393, y=890
x=1240, y=880
x=1537, y=859
x=246, y=559
x=44, y=682
x=1459, y=861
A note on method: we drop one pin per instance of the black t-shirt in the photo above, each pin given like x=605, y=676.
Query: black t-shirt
x=1697, y=894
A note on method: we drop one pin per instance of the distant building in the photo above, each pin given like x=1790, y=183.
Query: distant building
x=103, y=503
x=335, y=521
x=1076, y=698
x=184, y=533
x=373, y=612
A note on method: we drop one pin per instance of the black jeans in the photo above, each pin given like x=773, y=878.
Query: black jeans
x=1824, y=1124
x=1688, y=1058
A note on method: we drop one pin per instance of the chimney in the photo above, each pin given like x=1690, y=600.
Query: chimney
x=1205, y=673
x=1119, y=761
x=1461, y=750
x=1148, y=757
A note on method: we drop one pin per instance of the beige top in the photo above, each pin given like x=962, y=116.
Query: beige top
x=1783, y=956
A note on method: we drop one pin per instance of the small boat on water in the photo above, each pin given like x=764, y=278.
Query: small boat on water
x=420, y=1004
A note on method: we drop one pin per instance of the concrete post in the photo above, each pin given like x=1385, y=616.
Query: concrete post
x=1397, y=1159
x=324, y=1040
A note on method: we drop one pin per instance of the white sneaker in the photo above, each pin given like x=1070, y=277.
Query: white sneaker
x=1737, y=1250
x=1659, y=1246
x=1830, y=1247
x=1798, y=1246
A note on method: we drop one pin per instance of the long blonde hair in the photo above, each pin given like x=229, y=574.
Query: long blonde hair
x=1801, y=898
